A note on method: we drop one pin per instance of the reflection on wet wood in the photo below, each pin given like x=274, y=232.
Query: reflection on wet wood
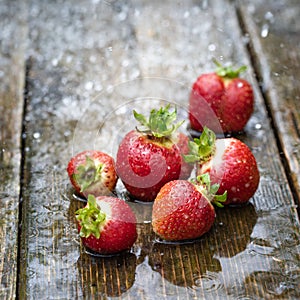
x=273, y=28
x=12, y=76
x=88, y=68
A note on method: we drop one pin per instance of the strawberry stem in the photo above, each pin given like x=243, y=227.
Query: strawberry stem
x=160, y=123
x=228, y=72
x=87, y=173
x=90, y=218
x=202, y=148
x=203, y=184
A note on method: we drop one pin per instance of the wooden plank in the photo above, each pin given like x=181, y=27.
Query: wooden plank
x=76, y=52
x=273, y=27
x=82, y=83
x=12, y=76
x=218, y=32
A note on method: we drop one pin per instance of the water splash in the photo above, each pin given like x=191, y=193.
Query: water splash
x=207, y=283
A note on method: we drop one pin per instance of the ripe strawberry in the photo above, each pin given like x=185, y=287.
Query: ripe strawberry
x=106, y=225
x=147, y=158
x=221, y=101
x=183, y=210
x=229, y=162
x=92, y=172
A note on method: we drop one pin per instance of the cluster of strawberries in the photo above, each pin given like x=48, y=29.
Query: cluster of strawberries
x=155, y=163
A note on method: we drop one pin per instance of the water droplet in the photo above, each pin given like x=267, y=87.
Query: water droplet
x=186, y=14
x=125, y=63
x=89, y=85
x=264, y=31
x=54, y=62
x=212, y=47
x=269, y=17
x=262, y=247
x=69, y=59
x=134, y=74
x=109, y=89
x=204, y=4
x=208, y=282
x=92, y=58
x=122, y=16
x=67, y=133
x=36, y=135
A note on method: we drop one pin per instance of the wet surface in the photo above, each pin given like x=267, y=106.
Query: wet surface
x=88, y=65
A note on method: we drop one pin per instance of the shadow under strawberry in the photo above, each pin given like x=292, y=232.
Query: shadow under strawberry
x=103, y=277
x=187, y=263
x=182, y=264
x=233, y=229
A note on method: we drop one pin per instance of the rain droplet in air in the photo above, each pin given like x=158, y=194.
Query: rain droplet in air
x=36, y=135
x=269, y=17
x=264, y=31
x=212, y=47
x=89, y=85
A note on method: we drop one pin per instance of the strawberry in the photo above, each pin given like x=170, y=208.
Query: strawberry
x=221, y=101
x=183, y=210
x=147, y=157
x=229, y=162
x=106, y=225
x=92, y=172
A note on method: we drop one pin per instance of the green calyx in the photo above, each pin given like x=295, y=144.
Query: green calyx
x=160, y=123
x=202, y=148
x=203, y=184
x=87, y=174
x=90, y=218
x=228, y=72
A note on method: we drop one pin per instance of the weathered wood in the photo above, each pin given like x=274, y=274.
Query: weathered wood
x=85, y=61
x=273, y=28
x=12, y=76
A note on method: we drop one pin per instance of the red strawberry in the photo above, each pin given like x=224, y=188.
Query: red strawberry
x=229, y=162
x=221, y=101
x=147, y=158
x=92, y=172
x=183, y=210
x=106, y=225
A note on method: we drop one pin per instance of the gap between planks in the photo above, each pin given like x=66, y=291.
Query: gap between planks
x=260, y=79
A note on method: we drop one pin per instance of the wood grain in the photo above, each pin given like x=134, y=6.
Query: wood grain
x=90, y=65
x=12, y=77
x=274, y=31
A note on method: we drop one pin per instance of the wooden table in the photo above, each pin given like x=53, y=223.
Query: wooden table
x=71, y=71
